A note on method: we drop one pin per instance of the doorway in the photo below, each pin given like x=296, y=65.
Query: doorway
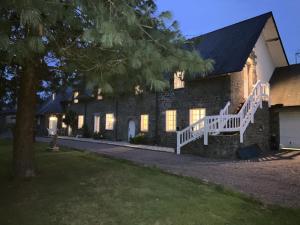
x=131, y=129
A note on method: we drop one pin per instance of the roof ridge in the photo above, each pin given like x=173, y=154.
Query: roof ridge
x=270, y=13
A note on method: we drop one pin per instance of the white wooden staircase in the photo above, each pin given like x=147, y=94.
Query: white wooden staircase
x=225, y=122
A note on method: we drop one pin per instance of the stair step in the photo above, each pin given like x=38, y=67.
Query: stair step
x=240, y=106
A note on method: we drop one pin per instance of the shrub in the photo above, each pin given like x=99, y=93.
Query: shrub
x=98, y=136
x=139, y=139
x=85, y=131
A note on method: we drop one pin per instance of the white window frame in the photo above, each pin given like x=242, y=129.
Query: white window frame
x=96, y=123
x=171, y=120
x=178, y=80
x=80, y=121
x=109, y=121
x=196, y=114
x=144, y=123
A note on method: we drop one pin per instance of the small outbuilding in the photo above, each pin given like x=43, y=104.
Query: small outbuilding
x=285, y=101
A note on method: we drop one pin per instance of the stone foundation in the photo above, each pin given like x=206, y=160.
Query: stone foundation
x=226, y=146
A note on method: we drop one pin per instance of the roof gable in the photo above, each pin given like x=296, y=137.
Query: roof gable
x=285, y=84
x=55, y=105
x=230, y=46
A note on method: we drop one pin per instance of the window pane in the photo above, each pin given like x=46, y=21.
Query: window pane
x=80, y=121
x=63, y=125
x=144, y=123
x=53, y=122
x=170, y=120
x=178, y=80
x=76, y=93
x=109, y=121
x=195, y=115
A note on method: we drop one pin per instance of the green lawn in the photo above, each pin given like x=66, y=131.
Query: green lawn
x=79, y=188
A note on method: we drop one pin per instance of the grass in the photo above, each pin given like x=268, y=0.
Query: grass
x=80, y=188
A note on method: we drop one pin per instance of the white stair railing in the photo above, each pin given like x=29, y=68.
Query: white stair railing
x=225, y=122
x=259, y=94
x=189, y=134
x=196, y=130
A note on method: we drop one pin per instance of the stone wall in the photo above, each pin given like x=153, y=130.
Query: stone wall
x=259, y=131
x=211, y=94
x=131, y=108
x=236, y=91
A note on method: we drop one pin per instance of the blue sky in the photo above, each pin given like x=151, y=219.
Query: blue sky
x=201, y=16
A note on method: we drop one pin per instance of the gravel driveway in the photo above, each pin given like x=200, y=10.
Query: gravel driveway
x=273, y=180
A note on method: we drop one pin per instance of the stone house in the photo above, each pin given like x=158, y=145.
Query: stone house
x=214, y=115
x=244, y=53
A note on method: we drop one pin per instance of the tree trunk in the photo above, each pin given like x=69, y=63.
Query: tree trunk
x=23, y=153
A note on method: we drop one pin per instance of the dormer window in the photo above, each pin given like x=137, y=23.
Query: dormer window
x=99, y=96
x=75, y=95
x=138, y=90
x=178, y=80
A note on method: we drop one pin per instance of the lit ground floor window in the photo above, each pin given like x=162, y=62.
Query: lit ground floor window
x=109, y=121
x=144, y=123
x=171, y=120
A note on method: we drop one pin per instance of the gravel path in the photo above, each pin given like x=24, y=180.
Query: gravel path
x=273, y=180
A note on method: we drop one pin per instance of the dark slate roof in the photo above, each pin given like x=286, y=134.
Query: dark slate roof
x=55, y=106
x=285, y=86
x=230, y=46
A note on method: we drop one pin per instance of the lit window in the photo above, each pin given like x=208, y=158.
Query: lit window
x=195, y=115
x=178, y=80
x=144, y=123
x=63, y=125
x=52, y=122
x=99, y=96
x=171, y=120
x=138, y=90
x=80, y=121
x=96, y=123
x=109, y=121
x=76, y=93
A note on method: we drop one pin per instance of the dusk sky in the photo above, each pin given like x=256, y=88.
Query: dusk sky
x=198, y=17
